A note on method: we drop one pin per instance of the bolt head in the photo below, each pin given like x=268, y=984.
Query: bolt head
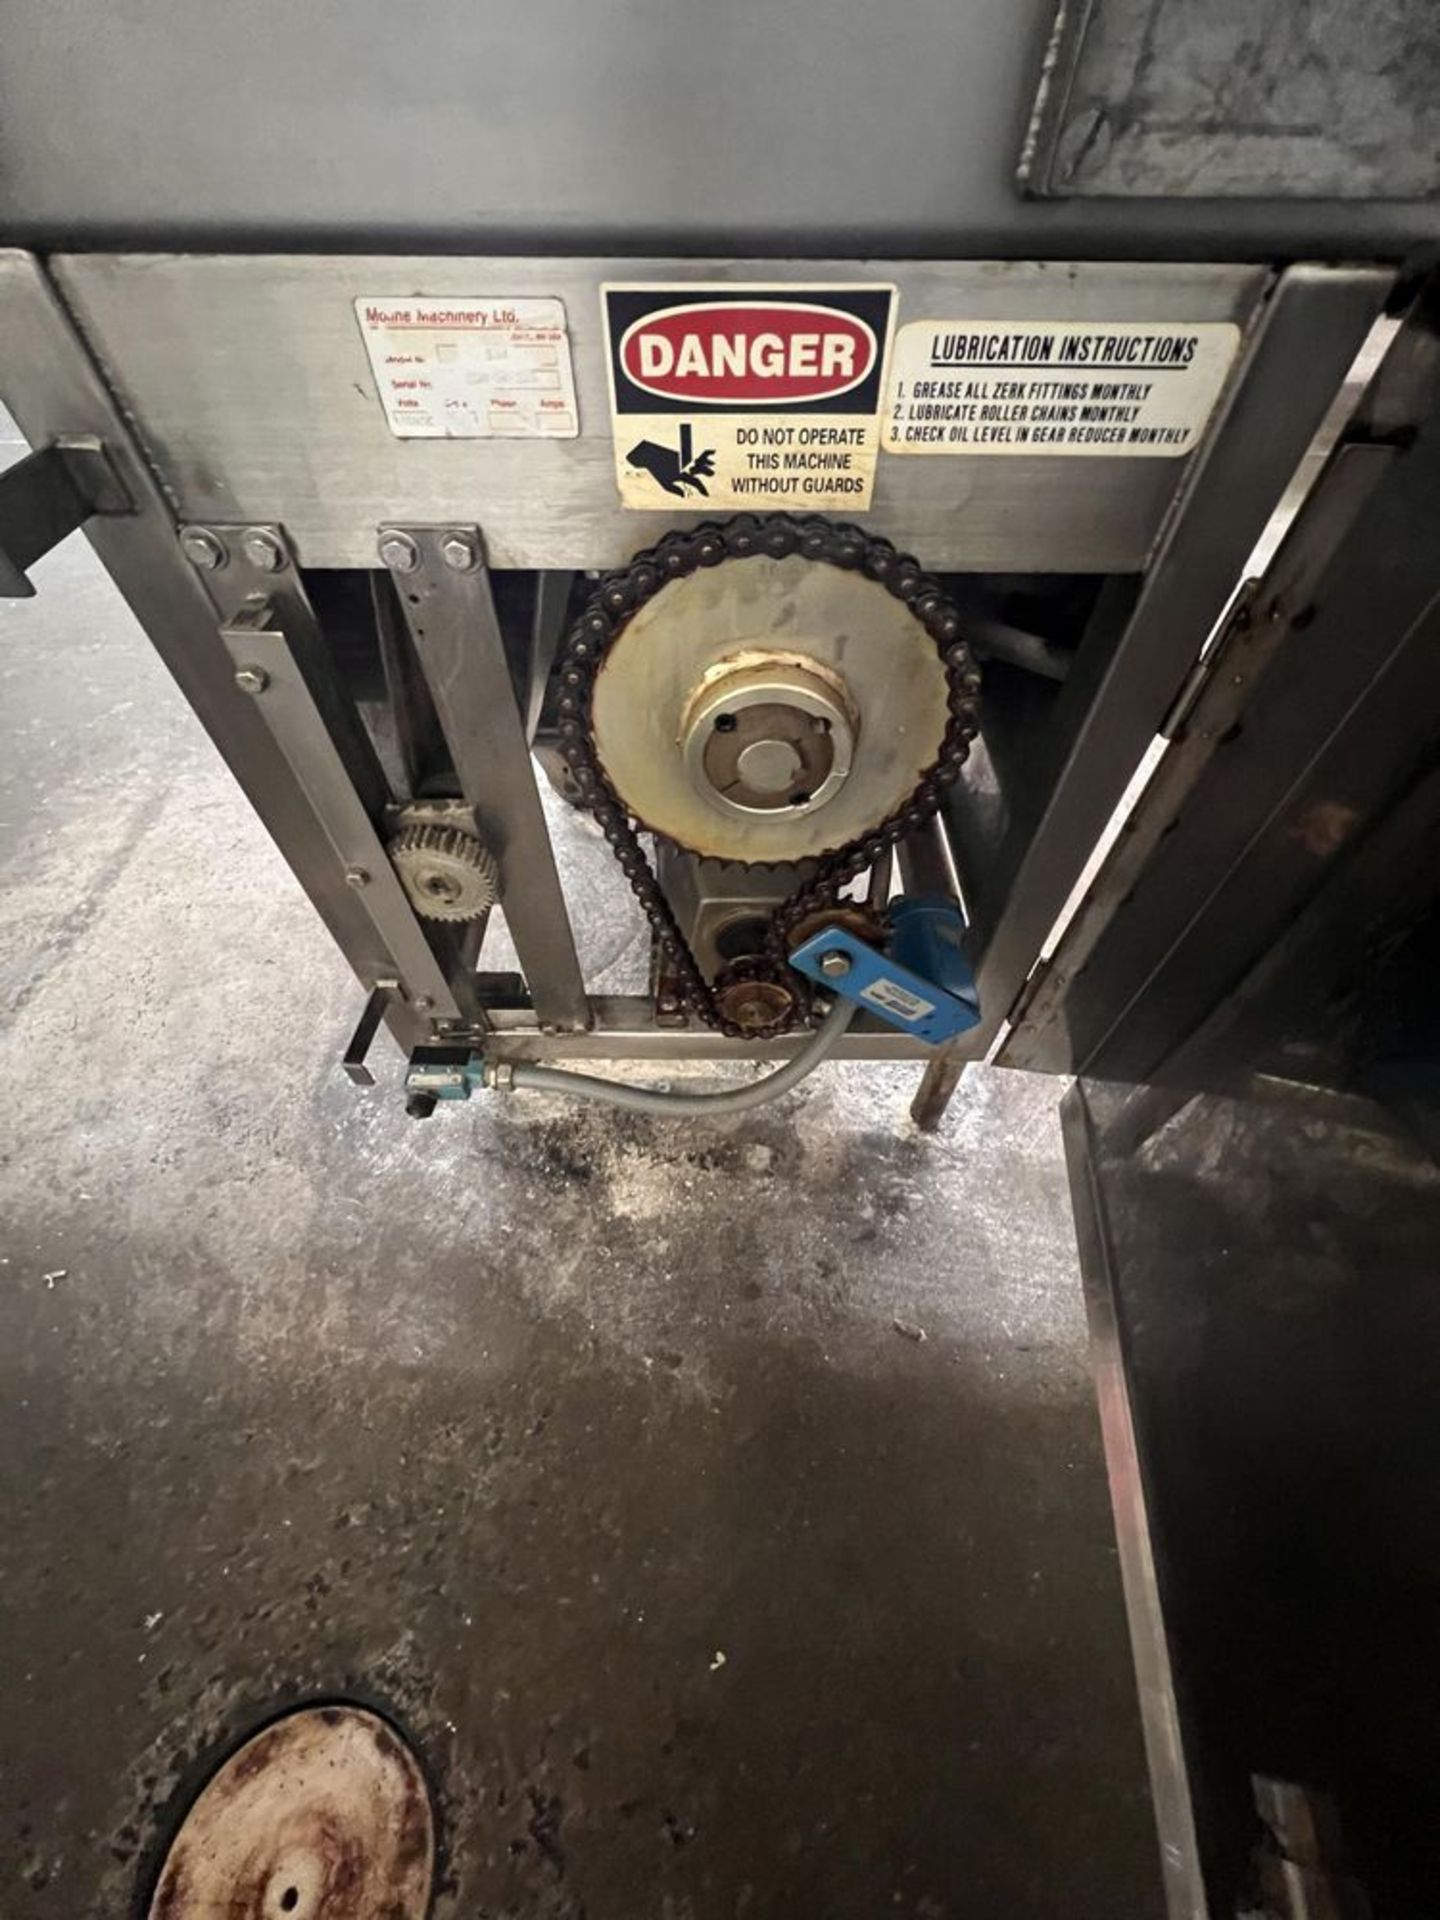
x=251, y=679
x=356, y=877
x=835, y=965
x=263, y=550
x=459, y=553
x=422, y=1003
x=400, y=553
x=202, y=549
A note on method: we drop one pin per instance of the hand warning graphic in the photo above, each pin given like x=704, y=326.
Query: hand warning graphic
x=675, y=470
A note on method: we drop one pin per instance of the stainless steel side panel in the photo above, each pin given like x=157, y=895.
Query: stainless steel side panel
x=1146, y=99
x=251, y=389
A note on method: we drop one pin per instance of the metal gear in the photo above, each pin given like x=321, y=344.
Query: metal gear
x=619, y=596
x=757, y=999
x=447, y=873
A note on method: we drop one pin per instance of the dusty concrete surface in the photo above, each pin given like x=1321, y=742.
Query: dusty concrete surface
x=590, y=1447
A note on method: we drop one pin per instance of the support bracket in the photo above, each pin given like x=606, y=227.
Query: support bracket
x=377, y=1004
x=46, y=496
x=281, y=662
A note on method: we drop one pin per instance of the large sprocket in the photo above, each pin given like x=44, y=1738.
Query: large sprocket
x=621, y=598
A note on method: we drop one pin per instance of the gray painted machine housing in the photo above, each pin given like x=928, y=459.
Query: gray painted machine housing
x=668, y=126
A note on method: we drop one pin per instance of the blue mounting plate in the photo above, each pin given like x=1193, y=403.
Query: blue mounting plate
x=882, y=986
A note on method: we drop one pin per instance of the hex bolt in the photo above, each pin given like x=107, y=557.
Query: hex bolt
x=458, y=553
x=356, y=877
x=202, y=549
x=251, y=679
x=399, y=552
x=263, y=550
x=422, y=1003
x=834, y=965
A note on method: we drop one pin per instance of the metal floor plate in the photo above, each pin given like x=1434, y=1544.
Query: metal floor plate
x=323, y=1815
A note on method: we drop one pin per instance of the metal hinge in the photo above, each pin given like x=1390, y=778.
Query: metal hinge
x=1029, y=987
x=1186, y=700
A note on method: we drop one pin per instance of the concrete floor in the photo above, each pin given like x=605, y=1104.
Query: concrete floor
x=605, y=1453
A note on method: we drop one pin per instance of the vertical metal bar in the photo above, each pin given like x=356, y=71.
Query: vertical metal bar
x=927, y=865
x=882, y=877
x=937, y=1087
x=258, y=565
x=445, y=595
x=552, y=604
x=419, y=743
x=269, y=667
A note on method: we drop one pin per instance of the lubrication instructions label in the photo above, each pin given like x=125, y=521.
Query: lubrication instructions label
x=471, y=369
x=746, y=396
x=1055, y=387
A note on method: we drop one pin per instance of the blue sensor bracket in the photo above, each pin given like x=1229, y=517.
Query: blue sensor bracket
x=925, y=987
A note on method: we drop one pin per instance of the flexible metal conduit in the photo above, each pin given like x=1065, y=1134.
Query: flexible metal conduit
x=614, y=1093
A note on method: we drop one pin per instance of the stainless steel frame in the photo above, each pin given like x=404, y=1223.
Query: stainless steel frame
x=625, y=1027
x=443, y=587
x=192, y=433
x=280, y=663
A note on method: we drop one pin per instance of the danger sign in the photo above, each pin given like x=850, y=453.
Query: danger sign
x=746, y=396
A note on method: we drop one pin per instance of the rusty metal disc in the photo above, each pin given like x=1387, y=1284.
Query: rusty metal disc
x=820, y=640
x=321, y=1816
